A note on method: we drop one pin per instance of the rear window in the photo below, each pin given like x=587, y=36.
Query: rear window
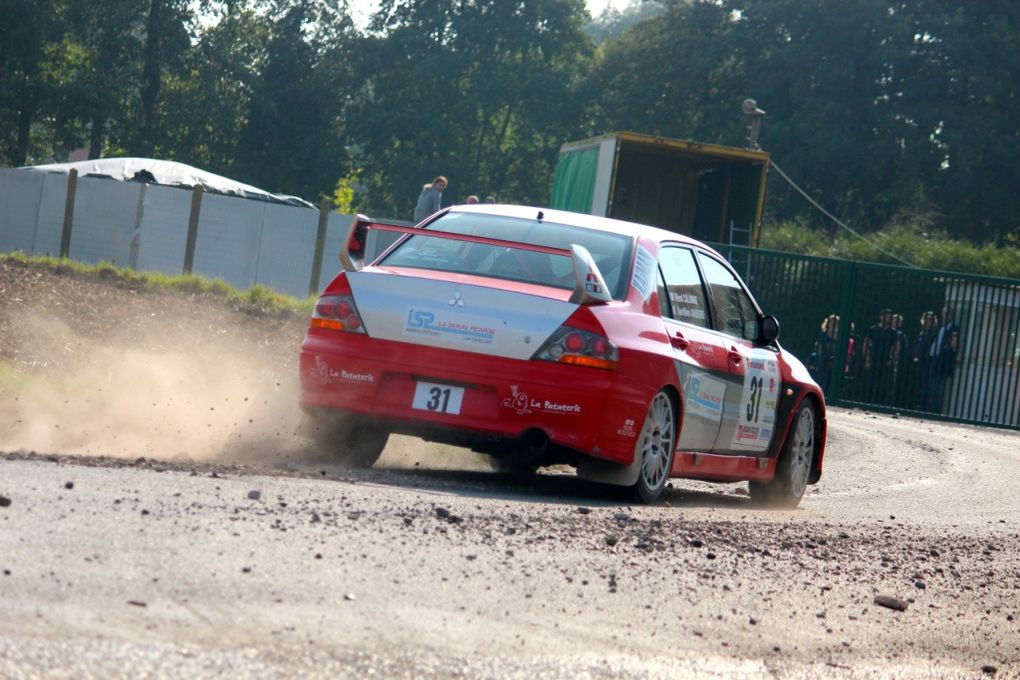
x=611, y=252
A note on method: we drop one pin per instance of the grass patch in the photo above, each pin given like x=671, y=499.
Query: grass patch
x=262, y=297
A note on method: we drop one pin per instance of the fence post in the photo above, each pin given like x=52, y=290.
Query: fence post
x=65, y=236
x=189, y=246
x=320, y=244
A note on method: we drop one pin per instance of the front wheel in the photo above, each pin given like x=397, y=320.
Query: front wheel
x=655, y=447
x=794, y=466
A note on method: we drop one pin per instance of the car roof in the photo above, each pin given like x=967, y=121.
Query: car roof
x=573, y=219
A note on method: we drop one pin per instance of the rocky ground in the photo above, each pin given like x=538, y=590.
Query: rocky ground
x=160, y=517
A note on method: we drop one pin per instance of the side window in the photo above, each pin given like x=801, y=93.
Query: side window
x=682, y=287
x=735, y=313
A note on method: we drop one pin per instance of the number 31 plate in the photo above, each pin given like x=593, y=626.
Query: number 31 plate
x=438, y=398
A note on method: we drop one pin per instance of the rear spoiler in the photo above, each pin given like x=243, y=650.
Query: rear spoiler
x=589, y=285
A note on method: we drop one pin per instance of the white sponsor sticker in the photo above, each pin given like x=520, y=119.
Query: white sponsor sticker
x=327, y=375
x=451, y=326
x=756, y=418
x=644, y=272
x=522, y=404
x=704, y=396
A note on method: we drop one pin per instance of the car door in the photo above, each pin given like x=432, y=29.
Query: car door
x=700, y=353
x=753, y=381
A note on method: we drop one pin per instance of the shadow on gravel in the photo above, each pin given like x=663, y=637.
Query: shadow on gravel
x=545, y=488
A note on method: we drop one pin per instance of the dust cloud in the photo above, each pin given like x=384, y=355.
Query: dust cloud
x=161, y=393
x=178, y=391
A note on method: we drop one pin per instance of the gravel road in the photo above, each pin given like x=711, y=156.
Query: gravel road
x=902, y=563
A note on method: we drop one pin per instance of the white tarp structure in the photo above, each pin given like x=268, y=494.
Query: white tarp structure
x=144, y=225
x=166, y=173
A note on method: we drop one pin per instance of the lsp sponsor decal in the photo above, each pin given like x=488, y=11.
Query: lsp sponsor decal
x=522, y=404
x=448, y=324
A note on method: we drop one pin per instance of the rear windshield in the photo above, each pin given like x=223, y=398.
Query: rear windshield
x=611, y=251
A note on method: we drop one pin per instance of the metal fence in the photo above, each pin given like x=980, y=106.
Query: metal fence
x=170, y=229
x=948, y=346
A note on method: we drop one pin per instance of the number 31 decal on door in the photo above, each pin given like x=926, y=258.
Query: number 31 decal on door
x=756, y=417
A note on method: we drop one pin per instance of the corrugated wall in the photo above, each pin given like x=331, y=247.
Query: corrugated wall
x=241, y=241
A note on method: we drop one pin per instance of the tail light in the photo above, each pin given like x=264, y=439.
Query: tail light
x=569, y=345
x=338, y=313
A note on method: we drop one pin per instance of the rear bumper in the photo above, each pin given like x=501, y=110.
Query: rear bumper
x=591, y=411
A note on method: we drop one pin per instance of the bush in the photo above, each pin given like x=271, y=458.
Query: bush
x=899, y=244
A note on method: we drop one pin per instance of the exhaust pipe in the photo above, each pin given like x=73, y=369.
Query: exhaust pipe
x=535, y=445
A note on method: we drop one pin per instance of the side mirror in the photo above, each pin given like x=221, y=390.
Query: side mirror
x=769, y=330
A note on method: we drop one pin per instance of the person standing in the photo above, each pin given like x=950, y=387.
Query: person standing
x=430, y=198
x=825, y=350
x=922, y=355
x=941, y=361
x=898, y=357
x=877, y=357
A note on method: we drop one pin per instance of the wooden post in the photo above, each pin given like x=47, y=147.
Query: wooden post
x=65, y=236
x=320, y=244
x=189, y=246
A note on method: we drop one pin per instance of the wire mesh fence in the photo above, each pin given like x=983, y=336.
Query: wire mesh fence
x=934, y=343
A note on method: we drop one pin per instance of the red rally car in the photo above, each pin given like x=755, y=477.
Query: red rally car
x=540, y=337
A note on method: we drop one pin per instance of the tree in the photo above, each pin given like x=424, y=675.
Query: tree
x=970, y=98
x=207, y=101
x=673, y=75
x=166, y=40
x=484, y=92
x=293, y=137
x=28, y=33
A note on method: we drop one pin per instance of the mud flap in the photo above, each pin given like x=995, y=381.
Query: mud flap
x=607, y=472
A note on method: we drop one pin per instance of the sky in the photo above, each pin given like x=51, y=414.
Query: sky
x=361, y=9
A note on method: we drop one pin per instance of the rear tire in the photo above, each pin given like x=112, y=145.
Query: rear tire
x=654, y=449
x=353, y=445
x=364, y=445
x=794, y=467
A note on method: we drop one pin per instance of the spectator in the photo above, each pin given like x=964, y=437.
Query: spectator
x=942, y=361
x=898, y=358
x=471, y=200
x=877, y=356
x=850, y=368
x=429, y=200
x=825, y=351
x=922, y=352
x=490, y=199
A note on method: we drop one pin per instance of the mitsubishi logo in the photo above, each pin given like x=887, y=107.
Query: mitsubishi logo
x=457, y=300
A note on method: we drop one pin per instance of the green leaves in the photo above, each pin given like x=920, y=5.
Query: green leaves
x=875, y=108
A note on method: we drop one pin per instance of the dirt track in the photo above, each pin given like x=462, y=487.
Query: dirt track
x=113, y=565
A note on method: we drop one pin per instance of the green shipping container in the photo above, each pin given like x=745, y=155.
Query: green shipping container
x=711, y=192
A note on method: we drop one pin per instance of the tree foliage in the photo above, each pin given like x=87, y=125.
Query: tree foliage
x=879, y=109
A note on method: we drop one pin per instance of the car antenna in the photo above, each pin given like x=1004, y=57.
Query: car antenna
x=541, y=215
